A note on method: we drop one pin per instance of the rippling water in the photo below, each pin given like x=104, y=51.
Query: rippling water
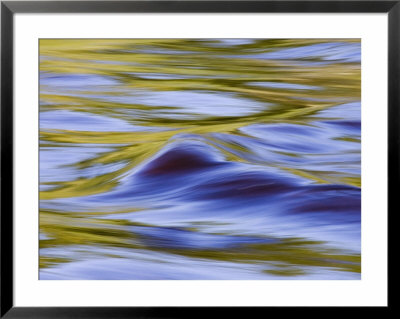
x=200, y=159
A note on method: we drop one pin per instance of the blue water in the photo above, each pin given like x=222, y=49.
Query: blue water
x=200, y=159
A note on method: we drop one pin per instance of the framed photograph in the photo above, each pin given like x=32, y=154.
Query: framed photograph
x=159, y=158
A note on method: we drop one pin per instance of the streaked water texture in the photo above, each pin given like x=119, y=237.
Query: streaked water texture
x=200, y=159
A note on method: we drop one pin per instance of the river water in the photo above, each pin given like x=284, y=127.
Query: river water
x=200, y=159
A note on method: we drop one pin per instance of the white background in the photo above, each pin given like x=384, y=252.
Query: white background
x=369, y=291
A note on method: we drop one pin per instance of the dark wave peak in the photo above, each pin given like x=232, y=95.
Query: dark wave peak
x=180, y=159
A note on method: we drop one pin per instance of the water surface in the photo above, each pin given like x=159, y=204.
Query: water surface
x=200, y=159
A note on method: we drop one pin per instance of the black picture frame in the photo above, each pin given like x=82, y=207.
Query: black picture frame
x=9, y=8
